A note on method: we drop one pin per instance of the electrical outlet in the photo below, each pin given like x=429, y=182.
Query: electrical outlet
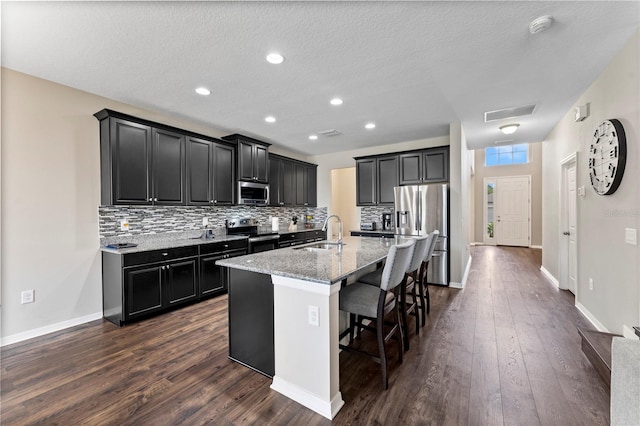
x=590, y=283
x=313, y=316
x=630, y=236
x=124, y=224
x=27, y=296
x=205, y=221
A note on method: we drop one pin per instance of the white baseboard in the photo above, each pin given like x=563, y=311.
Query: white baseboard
x=550, y=277
x=37, y=332
x=454, y=284
x=592, y=319
x=328, y=409
x=536, y=247
x=628, y=332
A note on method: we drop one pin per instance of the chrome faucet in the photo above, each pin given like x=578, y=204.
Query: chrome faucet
x=324, y=226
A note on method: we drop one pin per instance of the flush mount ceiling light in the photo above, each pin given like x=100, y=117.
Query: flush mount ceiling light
x=313, y=137
x=203, y=91
x=275, y=58
x=270, y=119
x=370, y=126
x=336, y=101
x=540, y=24
x=508, y=129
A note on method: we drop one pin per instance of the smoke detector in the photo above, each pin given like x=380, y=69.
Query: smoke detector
x=540, y=24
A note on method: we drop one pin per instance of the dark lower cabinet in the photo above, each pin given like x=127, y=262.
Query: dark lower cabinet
x=143, y=289
x=182, y=281
x=251, y=336
x=301, y=237
x=214, y=279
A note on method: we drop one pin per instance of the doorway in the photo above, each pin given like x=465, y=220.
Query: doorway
x=568, y=224
x=507, y=211
x=343, y=200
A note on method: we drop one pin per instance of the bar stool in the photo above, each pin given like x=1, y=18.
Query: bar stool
x=408, y=287
x=364, y=301
x=423, y=287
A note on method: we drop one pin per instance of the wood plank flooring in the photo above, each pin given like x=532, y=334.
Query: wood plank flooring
x=505, y=350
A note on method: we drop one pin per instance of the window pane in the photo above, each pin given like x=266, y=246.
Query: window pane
x=505, y=149
x=519, y=157
x=506, y=159
x=520, y=148
x=491, y=160
x=491, y=151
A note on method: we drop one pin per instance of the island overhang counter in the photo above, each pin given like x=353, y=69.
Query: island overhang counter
x=305, y=288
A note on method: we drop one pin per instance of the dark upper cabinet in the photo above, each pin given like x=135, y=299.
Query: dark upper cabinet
x=169, y=167
x=288, y=196
x=253, y=158
x=125, y=162
x=366, y=182
x=306, y=185
x=276, y=181
x=411, y=168
x=210, y=172
x=292, y=182
x=312, y=186
x=386, y=179
x=436, y=165
x=375, y=180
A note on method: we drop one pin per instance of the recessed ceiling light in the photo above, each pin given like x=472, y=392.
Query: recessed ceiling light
x=313, y=137
x=336, y=101
x=370, y=126
x=508, y=129
x=270, y=119
x=275, y=58
x=203, y=91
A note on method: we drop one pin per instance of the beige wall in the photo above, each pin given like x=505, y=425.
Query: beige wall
x=603, y=255
x=459, y=200
x=50, y=176
x=533, y=168
x=343, y=199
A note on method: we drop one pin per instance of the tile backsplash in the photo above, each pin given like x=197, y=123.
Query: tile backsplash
x=160, y=219
x=374, y=214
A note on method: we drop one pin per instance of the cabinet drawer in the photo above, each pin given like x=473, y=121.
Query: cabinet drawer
x=293, y=236
x=159, y=255
x=223, y=246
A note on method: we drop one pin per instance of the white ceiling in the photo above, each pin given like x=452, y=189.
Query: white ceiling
x=410, y=67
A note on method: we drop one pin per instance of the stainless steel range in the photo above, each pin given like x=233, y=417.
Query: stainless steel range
x=261, y=238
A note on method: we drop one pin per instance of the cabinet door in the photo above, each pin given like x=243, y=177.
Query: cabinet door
x=181, y=281
x=387, y=179
x=168, y=167
x=366, y=182
x=212, y=277
x=131, y=162
x=288, y=195
x=411, y=168
x=261, y=163
x=223, y=175
x=143, y=290
x=436, y=165
x=200, y=177
x=301, y=184
x=245, y=161
x=275, y=181
x=312, y=186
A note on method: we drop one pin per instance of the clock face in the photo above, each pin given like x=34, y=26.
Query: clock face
x=607, y=157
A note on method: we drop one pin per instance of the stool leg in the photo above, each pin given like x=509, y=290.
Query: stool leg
x=403, y=312
x=381, y=349
x=352, y=323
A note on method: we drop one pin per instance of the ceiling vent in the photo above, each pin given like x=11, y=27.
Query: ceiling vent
x=502, y=114
x=330, y=132
x=504, y=141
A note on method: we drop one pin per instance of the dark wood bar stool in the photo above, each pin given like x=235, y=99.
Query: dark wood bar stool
x=364, y=301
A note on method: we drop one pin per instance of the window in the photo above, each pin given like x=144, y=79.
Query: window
x=506, y=155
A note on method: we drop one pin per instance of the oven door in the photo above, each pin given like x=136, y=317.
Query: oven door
x=263, y=243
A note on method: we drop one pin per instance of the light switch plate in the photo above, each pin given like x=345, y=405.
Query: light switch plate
x=581, y=192
x=630, y=236
x=313, y=316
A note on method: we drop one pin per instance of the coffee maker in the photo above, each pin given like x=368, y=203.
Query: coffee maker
x=386, y=222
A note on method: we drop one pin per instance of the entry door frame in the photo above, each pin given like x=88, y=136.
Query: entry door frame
x=563, y=261
x=496, y=181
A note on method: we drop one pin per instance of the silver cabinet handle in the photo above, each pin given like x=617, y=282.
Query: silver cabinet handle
x=215, y=201
x=150, y=199
x=165, y=254
x=155, y=199
x=211, y=201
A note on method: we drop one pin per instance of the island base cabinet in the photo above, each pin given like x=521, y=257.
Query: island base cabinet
x=251, y=320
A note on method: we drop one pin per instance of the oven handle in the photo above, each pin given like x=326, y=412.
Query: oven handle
x=264, y=238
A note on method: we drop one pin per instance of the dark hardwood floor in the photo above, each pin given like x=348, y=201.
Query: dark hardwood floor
x=504, y=350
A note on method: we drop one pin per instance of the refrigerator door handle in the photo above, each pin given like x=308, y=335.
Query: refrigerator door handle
x=417, y=210
x=419, y=228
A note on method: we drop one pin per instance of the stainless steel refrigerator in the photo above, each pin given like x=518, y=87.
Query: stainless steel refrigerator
x=420, y=209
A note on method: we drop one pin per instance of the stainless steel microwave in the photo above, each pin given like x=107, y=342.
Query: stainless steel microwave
x=253, y=194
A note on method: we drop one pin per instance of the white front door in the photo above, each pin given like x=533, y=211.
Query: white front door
x=568, y=278
x=512, y=212
x=571, y=221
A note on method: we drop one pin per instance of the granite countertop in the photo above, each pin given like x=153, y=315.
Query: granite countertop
x=164, y=241
x=379, y=231
x=326, y=266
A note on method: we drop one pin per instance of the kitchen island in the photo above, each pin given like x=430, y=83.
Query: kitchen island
x=306, y=282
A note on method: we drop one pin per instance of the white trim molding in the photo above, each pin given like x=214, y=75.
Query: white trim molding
x=327, y=409
x=37, y=332
x=536, y=247
x=592, y=319
x=550, y=276
x=454, y=284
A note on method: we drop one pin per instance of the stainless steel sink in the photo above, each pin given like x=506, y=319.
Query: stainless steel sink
x=321, y=246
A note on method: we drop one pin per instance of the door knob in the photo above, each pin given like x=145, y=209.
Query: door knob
x=566, y=233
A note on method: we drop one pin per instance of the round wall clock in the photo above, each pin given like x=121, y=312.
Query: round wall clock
x=607, y=157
